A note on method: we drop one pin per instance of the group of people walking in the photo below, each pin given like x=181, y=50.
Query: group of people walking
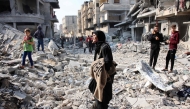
x=155, y=38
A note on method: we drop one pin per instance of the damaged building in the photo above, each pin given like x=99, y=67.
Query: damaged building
x=176, y=12
x=102, y=15
x=22, y=14
x=139, y=19
x=144, y=14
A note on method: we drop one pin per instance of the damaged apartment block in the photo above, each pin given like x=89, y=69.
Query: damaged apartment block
x=144, y=14
x=22, y=14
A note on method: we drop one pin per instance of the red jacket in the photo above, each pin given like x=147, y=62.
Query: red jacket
x=88, y=39
x=174, y=40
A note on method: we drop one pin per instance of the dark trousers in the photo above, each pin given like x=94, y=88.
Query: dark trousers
x=62, y=43
x=153, y=57
x=101, y=105
x=40, y=43
x=170, y=56
x=90, y=48
x=84, y=50
x=29, y=53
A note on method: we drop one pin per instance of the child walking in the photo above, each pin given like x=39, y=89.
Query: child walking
x=84, y=46
x=28, y=48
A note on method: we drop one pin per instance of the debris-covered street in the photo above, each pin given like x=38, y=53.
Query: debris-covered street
x=94, y=54
x=60, y=78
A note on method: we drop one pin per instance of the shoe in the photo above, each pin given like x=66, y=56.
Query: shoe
x=165, y=70
x=21, y=67
x=171, y=71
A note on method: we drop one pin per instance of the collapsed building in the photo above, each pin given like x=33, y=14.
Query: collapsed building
x=22, y=14
x=144, y=14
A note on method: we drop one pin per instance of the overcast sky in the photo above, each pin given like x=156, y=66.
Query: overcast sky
x=68, y=7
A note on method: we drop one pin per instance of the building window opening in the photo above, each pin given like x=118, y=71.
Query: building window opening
x=97, y=4
x=116, y=1
x=5, y=6
x=119, y=17
x=27, y=9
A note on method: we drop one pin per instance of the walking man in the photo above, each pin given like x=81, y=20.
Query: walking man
x=155, y=38
x=89, y=41
x=40, y=36
x=62, y=40
x=173, y=41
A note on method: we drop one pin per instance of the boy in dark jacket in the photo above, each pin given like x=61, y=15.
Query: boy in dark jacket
x=155, y=38
x=173, y=41
x=39, y=35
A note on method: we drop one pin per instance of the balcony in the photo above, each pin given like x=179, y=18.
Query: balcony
x=85, y=26
x=113, y=7
x=30, y=18
x=90, y=26
x=84, y=13
x=166, y=13
x=90, y=16
x=171, y=11
x=54, y=19
x=110, y=19
x=85, y=8
x=53, y=3
x=90, y=11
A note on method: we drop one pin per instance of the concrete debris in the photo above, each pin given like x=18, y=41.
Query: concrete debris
x=53, y=47
x=146, y=71
x=60, y=79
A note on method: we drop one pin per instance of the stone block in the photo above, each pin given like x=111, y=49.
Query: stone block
x=57, y=74
x=65, y=103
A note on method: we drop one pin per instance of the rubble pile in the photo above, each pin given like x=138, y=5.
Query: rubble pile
x=60, y=78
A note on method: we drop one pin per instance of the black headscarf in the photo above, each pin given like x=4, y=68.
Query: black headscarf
x=101, y=39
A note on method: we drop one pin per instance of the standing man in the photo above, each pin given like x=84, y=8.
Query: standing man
x=62, y=37
x=174, y=40
x=89, y=41
x=40, y=36
x=155, y=38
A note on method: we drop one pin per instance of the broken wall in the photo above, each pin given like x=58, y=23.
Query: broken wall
x=180, y=26
x=165, y=28
x=167, y=3
x=19, y=6
x=48, y=31
x=26, y=6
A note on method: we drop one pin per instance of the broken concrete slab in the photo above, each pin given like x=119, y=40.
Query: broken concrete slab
x=53, y=47
x=19, y=95
x=150, y=75
x=138, y=102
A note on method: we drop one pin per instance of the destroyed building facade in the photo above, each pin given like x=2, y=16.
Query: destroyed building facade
x=22, y=14
x=144, y=14
x=178, y=13
x=102, y=15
